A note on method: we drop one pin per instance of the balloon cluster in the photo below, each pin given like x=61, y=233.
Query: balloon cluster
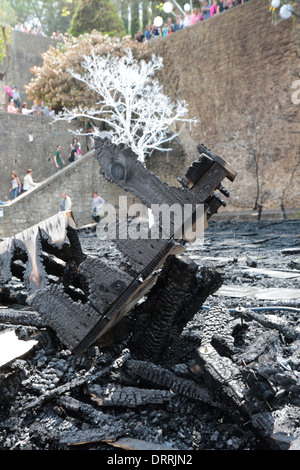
x=286, y=9
x=168, y=8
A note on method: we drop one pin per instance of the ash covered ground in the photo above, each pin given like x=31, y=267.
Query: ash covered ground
x=46, y=396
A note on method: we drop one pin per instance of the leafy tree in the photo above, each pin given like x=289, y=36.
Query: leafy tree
x=51, y=15
x=52, y=81
x=3, y=48
x=23, y=10
x=100, y=15
x=7, y=15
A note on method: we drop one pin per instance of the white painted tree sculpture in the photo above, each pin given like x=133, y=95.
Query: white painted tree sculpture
x=131, y=102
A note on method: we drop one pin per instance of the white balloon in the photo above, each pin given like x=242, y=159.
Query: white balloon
x=167, y=7
x=158, y=21
x=187, y=7
x=275, y=3
x=286, y=11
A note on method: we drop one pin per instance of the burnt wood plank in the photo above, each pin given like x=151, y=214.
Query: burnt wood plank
x=71, y=321
x=208, y=183
x=231, y=172
x=22, y=317
x=128, y=299
x=103, y=283
x=162, y=377
x=178, y=294
x=196, y=171
x=119, y=165
x=6, y=255
x=131, y=397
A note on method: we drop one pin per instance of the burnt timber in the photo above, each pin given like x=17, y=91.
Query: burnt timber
x=228, y=380
x=106, y=293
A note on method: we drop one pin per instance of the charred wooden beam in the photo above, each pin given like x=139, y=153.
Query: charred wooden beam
x=231, y=172
x=274, y=322
x=178, y=294
x=71, y=322
x=216, y=331
x=260, y=346
x=78, y=381
x=6, y=256
x=159, y=376
x=91, y=435
x=276, y=427
x=119, y=164
x=22, y=317
x=107, y=427
x=224, y=377
x=131, y=397
x=92, y=297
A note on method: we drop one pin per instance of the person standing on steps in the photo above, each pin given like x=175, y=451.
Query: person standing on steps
x=97, y=207
x=28, y=181
x=59, y=162
x=74, y=154
x=16, y=187
x=66, y=204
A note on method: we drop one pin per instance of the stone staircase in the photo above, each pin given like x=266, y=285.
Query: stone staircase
x=79, y=179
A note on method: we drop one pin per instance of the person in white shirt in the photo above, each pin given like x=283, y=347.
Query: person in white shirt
x=187, y=20
x=19, y=27
x=28, y=181
x=51, y=112
x=97, y=205
x=66, y=203
x=25, y=110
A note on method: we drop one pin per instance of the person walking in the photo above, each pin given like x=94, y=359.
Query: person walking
x=76, y=143
x=66, y=205
x=59, y=162
x=98, y=202
x=16, y=187
x=28, y=181
x=74, y=154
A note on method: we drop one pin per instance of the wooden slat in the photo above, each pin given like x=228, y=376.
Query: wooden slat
x=231, y=172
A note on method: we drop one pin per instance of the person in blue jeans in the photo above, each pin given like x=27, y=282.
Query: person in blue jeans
x=15, y=185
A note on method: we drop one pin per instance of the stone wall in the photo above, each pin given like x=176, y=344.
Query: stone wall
x=30, y=142
x=78, y=179
x=25, y=52
x=236, y=72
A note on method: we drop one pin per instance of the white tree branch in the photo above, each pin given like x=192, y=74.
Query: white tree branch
x=130, y=101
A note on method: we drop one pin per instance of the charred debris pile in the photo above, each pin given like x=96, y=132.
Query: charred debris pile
x=158, y=345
